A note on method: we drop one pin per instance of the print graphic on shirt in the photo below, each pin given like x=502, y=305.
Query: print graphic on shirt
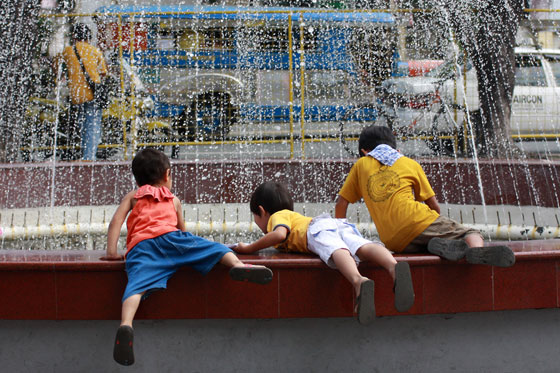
x=382, y=185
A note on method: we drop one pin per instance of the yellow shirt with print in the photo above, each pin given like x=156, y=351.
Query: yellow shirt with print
x=393, y=196
x=94, y=64
x=296, y=224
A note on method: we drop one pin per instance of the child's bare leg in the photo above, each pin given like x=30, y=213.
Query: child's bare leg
x=123, y=351
x=474, y=240
x=231, y=260
x=400, y=273
x=129, y=308
x=363, y=286
x=347, y=267
x=378, y=254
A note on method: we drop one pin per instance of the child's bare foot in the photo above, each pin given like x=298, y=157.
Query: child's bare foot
x=251, y=273
x=365, y=302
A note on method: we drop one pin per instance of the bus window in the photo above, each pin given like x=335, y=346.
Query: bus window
x=326, y=88
x=529, y=72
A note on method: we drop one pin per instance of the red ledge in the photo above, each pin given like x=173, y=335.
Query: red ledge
x=77, y=285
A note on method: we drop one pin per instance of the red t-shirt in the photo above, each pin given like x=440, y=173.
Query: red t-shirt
x=153, y=215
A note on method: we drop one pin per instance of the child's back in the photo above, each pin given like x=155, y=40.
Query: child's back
x=153, y=214
x=403, y=206
x=393, y=196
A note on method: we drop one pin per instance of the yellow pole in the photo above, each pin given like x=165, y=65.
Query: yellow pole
x=121, y=114
x=465, y=128
x=302, y=88
x=291, y=87
x=133, y=128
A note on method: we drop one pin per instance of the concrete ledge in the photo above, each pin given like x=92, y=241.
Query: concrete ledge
x=76, y=285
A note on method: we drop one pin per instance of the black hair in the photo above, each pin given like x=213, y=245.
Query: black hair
x=149, y=166
x=272, y=196
x=81, y=32
x=373, y=136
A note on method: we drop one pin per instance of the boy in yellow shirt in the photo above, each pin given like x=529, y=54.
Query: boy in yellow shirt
x=404, y=208
x=338, y=243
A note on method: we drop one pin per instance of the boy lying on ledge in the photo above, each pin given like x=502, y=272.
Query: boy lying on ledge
x=337, y=242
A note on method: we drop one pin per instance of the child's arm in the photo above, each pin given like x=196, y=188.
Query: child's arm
x=180, y=220
x=433, y=204
x=275, y=237
x=114, y=231
x=341, y=207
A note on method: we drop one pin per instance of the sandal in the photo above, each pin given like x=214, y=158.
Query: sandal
x=448, y=249
x=256, y=274
x=123, y=352
x=499, y=256
x=403, y=289
x=366, y=302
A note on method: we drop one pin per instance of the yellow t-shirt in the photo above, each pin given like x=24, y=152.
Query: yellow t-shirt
x=94, y=64
x=296, y=224
x=393, y=196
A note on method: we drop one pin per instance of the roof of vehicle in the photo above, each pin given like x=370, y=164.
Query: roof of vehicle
x=243, y=12
x=533, y=50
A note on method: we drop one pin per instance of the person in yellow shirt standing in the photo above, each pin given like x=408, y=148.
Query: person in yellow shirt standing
x=338, y=243
x=404, y=208
x=82, y=58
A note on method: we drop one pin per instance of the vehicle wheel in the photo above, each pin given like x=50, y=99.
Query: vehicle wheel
x=441, y=144
x=212, y=116
x=209, y=117
x=445, y=136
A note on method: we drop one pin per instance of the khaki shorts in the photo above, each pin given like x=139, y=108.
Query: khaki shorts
x=442, y=227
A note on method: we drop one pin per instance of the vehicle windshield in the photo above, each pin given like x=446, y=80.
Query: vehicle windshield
x=554, y=61
x=448, y=68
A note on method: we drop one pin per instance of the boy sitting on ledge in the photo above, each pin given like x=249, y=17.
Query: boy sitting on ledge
x=404, y=208
x=337, y=242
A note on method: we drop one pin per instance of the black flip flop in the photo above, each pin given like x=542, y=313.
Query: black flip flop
x=123, y=352
x=448, y=249
x=499, y=256
x=250, y=273
x=366, y=302
x=404, y=291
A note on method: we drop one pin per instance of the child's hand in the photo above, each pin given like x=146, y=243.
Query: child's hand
x=112, y=257
x=240, y=247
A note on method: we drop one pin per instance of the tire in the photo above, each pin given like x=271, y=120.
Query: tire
x=446, y=136
x=208, y=118
x=212, y=116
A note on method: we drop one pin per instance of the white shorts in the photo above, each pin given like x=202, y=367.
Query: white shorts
x=325, y=235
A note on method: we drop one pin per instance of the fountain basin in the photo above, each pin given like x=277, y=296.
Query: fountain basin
x=77, y=285
x=504, y=182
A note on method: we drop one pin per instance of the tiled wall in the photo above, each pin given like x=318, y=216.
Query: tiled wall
x=76, y=285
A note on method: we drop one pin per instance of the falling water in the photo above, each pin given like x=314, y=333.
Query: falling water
x=332, y=78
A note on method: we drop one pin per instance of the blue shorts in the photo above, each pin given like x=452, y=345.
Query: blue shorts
x=153, y=261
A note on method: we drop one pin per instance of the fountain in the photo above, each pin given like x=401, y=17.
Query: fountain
x=235, y=96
